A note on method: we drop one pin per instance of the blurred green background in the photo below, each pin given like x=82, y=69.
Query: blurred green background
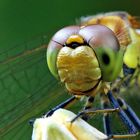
x=22, y=19
x=27, y=89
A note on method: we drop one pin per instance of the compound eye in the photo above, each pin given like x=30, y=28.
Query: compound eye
x=58, y=41
x=105, y=58
x=52, y=51
x=100, y=36
x=107, y=49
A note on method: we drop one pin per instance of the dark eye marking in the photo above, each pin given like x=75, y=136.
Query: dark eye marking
x=75, y=44
x=105, y=58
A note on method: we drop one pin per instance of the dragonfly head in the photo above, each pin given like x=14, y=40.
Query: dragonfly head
x=83, y=56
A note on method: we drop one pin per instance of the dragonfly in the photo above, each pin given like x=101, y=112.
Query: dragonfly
x=25, y=78
x=89, y=58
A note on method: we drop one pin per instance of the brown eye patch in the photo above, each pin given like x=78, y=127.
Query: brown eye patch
x=100, y=36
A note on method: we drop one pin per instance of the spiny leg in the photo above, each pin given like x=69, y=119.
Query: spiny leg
x=95, y=111
x=130, y=113
x=88, y=110
x=127, y=109
x=131, y=127
x=130, y=76
x=64, y=104
x=106, y=117
x=125, y=79
x=88, y=105
x=106, y=110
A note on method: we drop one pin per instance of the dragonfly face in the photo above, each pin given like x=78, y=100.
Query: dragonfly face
x=84, y=56
x=78, y=68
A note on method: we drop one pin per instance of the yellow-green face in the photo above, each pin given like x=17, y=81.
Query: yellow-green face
x=78, y=68
x=83, y=56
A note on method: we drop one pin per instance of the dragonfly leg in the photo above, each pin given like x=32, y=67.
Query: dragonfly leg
x=124, y=117
x=64, y=104
x=95, y=111
x=121, y=136
x=110, y=135
x=88, y=105
x=106, y=117
x=130, y=113
x=128, y=75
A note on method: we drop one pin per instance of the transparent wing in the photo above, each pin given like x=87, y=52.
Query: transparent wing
x=25, y=88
